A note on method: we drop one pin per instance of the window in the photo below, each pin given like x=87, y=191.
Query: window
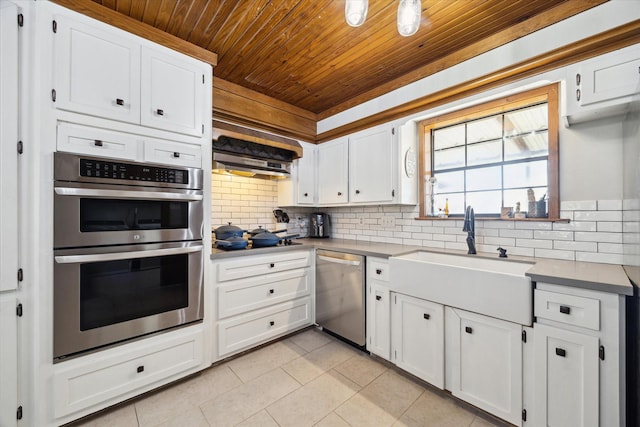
x=501, y=154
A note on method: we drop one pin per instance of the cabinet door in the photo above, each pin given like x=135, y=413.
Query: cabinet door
x=371, y=166
x=306, y=185
x=333, y=168
x=169, y=152
x=418, y=337
x=8, y=146
x=96, y=71
x=378, y=319
x=566, y=386
x=486, y=363
x=609, y=78
x=9, y=358
x=172, y=93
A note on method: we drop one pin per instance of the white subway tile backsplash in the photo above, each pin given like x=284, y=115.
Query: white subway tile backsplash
x=456, y=246
x=599, y=257
x=581, y=205
x=499, y=241
x=631, y=204
x=598, y=237
x=597, y=215
x=553, y=235
x=631, y=216
x=523, y=234
x=575, y=246
x=610, y=248
x=531, y=243
x=612, y=227
x=532, y=225
x=433, y=244
x=609, y=205
x=576, y=226
x=520, y=251
x=555, y=254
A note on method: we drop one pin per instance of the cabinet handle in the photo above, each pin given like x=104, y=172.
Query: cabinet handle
x=97, y=143
x=339, y=193
x=426, y=316
x=378, y=297
x=357, y=191
x=272, y=265
x=565, y=309
x=272, y=323
x=378, y=271
x=468, y=329
x=119, y=101
x=176, y=155
x=578, y=79
x=160, y=112
x=306, y=194
x=140, y=369
x=271, y=291
x=578, y=94
x=561, y=352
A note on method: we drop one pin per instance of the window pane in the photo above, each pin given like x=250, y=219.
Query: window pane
x=447, y=159
x=484, y=179
x=529, y=174
x=449, y=182
x=484, y=152
x=485, y=202
x=511, y=197
x=526, y=120
x=484, y=129
x=526, y=146
x=456, y=203
x=448, y=137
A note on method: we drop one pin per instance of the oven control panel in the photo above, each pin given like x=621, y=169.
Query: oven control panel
x=132, y=172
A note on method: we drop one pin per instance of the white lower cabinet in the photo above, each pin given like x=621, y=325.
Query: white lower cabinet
x=261, y=297
x=567, y=386
x=378, y=308
x=9, y=358
x=102, y=379
x=484, y=362
x=418, y=337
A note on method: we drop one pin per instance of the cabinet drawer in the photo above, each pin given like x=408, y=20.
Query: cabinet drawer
x=246, y=330
x=241, y=296
x=96, y=378
x=258, y=265
x=96, y=142
x=174, y=153
x=378, y=269
x=569, y=309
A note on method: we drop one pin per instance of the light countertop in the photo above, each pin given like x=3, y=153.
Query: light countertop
x=598, y=277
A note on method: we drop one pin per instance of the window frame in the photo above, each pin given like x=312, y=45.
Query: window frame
x=548, y=94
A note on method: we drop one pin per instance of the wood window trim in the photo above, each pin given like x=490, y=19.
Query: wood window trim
x=549, y=94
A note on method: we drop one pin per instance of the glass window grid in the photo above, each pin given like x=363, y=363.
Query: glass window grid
x=485, y=165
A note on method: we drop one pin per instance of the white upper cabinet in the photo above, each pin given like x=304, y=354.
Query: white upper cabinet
x=172, y=91
x=371, y=166
x=306, y=177
x=104, y=72
x=602, y=86
x=96, y=71
x=333, y=172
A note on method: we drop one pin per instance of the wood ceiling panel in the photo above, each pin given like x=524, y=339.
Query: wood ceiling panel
x=303, y=53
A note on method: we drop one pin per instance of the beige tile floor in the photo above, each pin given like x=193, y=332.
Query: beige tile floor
x=308, y=379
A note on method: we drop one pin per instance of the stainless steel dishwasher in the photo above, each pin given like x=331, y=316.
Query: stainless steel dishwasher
x=340, y=293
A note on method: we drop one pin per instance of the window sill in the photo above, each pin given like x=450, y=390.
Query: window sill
x=480, y=218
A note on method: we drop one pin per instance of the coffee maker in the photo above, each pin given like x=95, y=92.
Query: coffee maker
x=319, y=225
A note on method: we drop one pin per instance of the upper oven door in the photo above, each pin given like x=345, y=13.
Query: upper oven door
x=87, y=214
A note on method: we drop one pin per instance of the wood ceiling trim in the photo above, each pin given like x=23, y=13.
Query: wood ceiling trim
x=562, y=11
x=112, y=17
x=599, y=44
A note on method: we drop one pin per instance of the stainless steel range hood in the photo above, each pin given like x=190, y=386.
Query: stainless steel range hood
x=246, y=152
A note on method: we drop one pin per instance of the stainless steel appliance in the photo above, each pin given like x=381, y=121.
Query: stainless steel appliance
x=128, y=253
x=340, y=294
x=251, y=159
x=319, y=225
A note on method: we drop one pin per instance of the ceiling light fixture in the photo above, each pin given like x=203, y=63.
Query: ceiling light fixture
x=409, y=13
x=355, y=12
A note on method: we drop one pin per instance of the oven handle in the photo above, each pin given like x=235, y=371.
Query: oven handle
x=77, y=259
x=124, y=194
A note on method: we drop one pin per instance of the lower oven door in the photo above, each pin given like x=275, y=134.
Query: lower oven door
x=109, y=294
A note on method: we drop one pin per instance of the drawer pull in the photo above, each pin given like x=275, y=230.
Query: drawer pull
x=565, y=309
x=119, y=101
x=306, y=194
x=271, y=323
x=271, y=291
x=272, y=265
x=468, y=329
x=339, y=193
x=357, y=191
x=378, y=297
x=378, y=271
x=561, y=352
x=160, y=112
x=97, y=143
x=428, y=316
x=140, y=368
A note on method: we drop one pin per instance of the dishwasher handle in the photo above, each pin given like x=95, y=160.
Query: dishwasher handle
x=338, y=260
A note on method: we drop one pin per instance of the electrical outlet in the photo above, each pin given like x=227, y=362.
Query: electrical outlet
x=361, y=220
x=389, y=221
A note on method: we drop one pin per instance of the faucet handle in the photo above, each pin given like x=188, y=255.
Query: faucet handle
x=503, y=252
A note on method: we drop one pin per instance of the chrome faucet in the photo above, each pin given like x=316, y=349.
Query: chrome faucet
x=470, y=228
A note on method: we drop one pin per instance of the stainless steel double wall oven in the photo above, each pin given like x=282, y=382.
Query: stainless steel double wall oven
x=128, y=253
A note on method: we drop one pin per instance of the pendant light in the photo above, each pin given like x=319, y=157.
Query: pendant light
x=409, y=14
x=355, y=12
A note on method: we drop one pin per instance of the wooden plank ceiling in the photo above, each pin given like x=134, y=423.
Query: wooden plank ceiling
x=303, y=53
